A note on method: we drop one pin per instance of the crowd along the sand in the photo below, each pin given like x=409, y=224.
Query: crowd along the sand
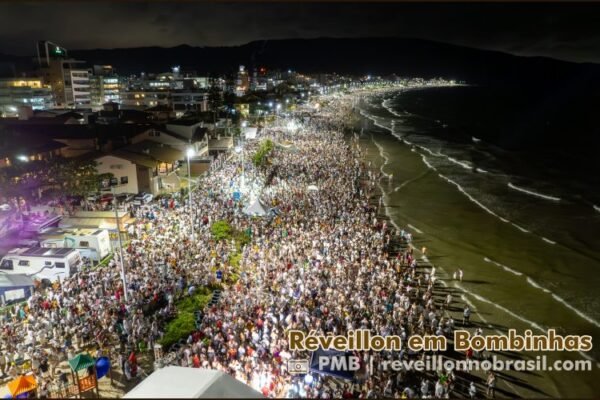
x=321, y=260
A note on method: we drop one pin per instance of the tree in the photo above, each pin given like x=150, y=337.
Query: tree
x=262, y=153
x=67, y=176
x=221, y=230
x=77, y=177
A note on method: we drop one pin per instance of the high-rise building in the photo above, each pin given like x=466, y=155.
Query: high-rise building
x=105, y=86
x=48, y=52
x=69, y=79
x=242, y=83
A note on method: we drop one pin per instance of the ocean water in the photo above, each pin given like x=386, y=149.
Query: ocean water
x=501, y=190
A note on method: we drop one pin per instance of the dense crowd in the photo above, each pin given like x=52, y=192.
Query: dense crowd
x=321, y=261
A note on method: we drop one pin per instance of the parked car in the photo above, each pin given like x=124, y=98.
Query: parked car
x=93, y=197
x=142, y=198
x=106, y=198
x=125, y=197
x=4, y=207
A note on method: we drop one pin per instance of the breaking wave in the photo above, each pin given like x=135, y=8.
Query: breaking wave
x=474, y=200
x=532, y=193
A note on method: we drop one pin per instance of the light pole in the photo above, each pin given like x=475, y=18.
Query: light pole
x=243, y=134
x=190, y=153
x=123, y=276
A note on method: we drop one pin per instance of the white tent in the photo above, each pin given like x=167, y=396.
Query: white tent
x=312, y=188
x=256, y=208
x=250, y=132
x=191, y=383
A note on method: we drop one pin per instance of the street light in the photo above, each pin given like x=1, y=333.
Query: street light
x=190, y=153
x=22, y=158
x=240, y=149
x=123, y=276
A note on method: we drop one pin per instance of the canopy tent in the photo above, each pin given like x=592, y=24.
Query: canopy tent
x=250, y=132
x=312, y=188
x=22, y=384
x=191, y=383
x=81, y=361
x=256, y=208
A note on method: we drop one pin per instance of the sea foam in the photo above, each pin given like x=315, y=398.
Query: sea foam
x=415, y=229
x=474, y=200
x=536, y=285
x=427, y=162
x=463, y=164
x=548, y=240
x=532, y=193
x=506, y=310
x=506, y=268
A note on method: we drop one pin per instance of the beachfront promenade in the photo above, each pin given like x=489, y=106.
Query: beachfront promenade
x=325, y=259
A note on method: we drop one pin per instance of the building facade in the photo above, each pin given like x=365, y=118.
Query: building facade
x=105, y=86
x=68, y=78
x=242, y=83
x=17, y=92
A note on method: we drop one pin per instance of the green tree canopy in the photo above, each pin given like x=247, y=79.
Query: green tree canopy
x=77, y=177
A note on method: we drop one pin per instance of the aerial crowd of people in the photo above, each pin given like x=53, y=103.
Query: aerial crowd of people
x=321, y=259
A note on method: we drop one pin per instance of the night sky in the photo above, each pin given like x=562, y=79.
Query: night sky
x=559, y=30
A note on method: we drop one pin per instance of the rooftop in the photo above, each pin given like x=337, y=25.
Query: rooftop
x=58, y=252
x=71, y=232
x=146, y=154
x=27, y=131
x=184, y=122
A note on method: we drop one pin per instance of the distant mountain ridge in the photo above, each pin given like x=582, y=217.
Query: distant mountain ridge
x=378, y=56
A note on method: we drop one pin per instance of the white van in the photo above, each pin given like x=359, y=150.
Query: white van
x=142, y=198
x=42, y=263
x=92, y=243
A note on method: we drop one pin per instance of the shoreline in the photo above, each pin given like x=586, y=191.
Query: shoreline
x=543, y=384
x=424, y=261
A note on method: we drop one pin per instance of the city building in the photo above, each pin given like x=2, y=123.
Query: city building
x=69, y=78
x=146, y=166
x=142, y=99
x=189, y=100
x=242, y=83
x=105, y=86
x=17, y=92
